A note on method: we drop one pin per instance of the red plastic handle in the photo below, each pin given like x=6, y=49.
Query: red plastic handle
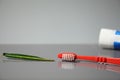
x=113, y=60
x=100, y=59
x=89, y=58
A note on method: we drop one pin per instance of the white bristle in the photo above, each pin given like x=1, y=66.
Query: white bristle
x=68, y=57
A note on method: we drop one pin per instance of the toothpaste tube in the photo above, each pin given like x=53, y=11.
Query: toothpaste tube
x=109, y=38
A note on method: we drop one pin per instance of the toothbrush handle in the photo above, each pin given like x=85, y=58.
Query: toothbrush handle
x=89, y=58
x=100, y=59
x=113, y=60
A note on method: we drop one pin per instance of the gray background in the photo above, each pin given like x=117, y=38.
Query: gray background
x=56, y=21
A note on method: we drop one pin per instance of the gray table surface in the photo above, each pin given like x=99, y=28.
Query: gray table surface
x=11, y=69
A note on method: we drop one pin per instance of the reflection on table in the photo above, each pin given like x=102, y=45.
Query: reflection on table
x=98, y=66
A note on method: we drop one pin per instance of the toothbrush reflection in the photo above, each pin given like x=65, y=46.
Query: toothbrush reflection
x=98, y=66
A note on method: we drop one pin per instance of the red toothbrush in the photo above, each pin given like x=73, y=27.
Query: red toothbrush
x=71, y=56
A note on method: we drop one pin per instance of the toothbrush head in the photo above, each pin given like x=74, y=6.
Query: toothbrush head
x=67, y=56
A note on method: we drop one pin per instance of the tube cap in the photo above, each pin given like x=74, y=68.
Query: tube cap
x=106, y=38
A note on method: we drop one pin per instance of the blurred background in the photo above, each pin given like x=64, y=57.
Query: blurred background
x=56, y=21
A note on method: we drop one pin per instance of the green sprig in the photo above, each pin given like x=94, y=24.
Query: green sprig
x=26, y=57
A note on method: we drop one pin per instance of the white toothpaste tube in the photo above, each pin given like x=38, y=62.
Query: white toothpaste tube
x=109, y=38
